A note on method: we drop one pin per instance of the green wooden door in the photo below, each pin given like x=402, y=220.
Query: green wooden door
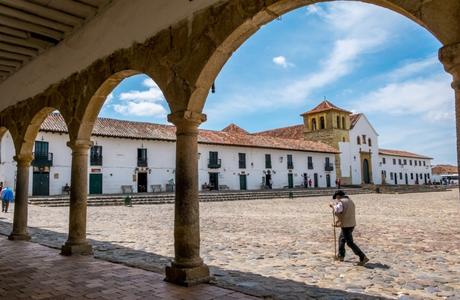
x=243, y=182
x=41, y=184
x=290, y=181
x=95, y=183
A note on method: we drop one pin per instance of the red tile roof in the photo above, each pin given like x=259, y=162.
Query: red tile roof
x=142, y=130
x=444, y=169
x=402, y=154
x=325, y=106
x=232, y=128
x=354, y=119
x=290, y=132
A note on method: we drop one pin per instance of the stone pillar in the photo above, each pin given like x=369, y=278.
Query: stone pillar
x=188, y=267
x=450, y=57
x=76, y=242
x=22, y=196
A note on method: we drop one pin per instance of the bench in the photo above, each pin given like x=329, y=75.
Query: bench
x=223, y=187
x=127, y=189
x=156, y=188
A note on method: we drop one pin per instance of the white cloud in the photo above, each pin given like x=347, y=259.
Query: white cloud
x=141, y=109
x=282, y=61
x=413, y=68
x=429, y=98
x=142, y=102
x=108, y=99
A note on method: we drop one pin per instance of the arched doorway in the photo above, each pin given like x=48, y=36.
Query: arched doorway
x=366, y=172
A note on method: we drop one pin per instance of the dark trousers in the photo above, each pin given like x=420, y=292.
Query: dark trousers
x=346, y=237
x=5, y=204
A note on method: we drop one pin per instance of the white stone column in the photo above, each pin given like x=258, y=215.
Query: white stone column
x=22, y=196
x=76, y=242
x=188, y=267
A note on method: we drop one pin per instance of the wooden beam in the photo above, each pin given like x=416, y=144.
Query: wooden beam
x=7, y=69
x=11, y=63
x=18, y=49
x=15, y=56
x=5, y=10
x=44, y=11
x=30, y=42
x=26, y=26
x=13, y=32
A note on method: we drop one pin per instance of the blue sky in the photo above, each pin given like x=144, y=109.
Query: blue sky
x=361, y=57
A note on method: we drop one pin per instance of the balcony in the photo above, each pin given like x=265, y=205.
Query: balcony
x=42, y=159
x=214, y=163
x=290, y=165
x=142, y=162
x=329, y=167
x=96, y=160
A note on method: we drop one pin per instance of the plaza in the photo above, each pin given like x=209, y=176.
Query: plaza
x=283, y=248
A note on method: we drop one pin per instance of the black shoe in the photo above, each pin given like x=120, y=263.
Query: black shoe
x=363, y=261
x=339, y=258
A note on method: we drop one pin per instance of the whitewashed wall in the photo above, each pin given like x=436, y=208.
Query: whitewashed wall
x=389, y=167
x=120, y=162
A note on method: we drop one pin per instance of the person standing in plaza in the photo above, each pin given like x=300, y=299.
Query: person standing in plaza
x=7, y=197
x=344, y=210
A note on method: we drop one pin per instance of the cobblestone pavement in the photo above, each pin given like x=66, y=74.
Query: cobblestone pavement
x=283, y=248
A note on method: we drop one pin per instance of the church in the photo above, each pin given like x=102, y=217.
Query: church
x=138, y=157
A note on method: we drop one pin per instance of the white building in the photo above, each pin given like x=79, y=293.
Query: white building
x=360, y=161
x=140, y=157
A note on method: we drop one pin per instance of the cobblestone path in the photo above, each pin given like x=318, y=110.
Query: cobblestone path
x=283, y=248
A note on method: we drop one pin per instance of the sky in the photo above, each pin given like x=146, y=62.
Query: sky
x=361, y=57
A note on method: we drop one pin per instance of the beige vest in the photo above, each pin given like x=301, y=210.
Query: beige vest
x=347, y=217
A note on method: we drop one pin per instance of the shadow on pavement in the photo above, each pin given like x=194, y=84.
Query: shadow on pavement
x=245, y=282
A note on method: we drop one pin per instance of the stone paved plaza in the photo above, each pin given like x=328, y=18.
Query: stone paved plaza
x=283, y=248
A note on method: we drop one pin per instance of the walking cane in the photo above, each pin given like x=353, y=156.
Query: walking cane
x=335, y=236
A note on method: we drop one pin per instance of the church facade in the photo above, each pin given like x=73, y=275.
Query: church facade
x=139, y=157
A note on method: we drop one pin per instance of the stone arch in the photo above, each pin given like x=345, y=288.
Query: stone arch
x=219, y=31
x=82, y=129
x=24, y=143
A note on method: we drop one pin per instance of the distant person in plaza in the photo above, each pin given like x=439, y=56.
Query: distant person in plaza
x=344, y=210
x=309, y=182
x=338, y=183
x=7, y=197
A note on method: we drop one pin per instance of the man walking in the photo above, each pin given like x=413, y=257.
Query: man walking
x=344, y=209
x=7, y=197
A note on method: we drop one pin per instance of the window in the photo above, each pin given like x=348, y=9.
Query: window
x=369, y=142
x=364, y=139
x=338, y=122
x=313, y=124
x=328, y=165
x=424, y=163
x=428, y=175
x=394, y=161
x=142, y=157
x=399, y=161
x=96, y=156
x=400, y=176
x=268, y=161
x=290, y=164
x=415, y=163
x=358, y=140
x=391, y=175
x=411, y=176
x=242, y=160
x=384, y=161
x=322, y=124
x=405, y=162
x=214, y=162
x=410, y=162
x=310, y=163
x=343, y=123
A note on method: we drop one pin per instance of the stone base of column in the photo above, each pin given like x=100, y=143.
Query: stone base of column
x=187, y=276
x=19, y=237
x=76, y=249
